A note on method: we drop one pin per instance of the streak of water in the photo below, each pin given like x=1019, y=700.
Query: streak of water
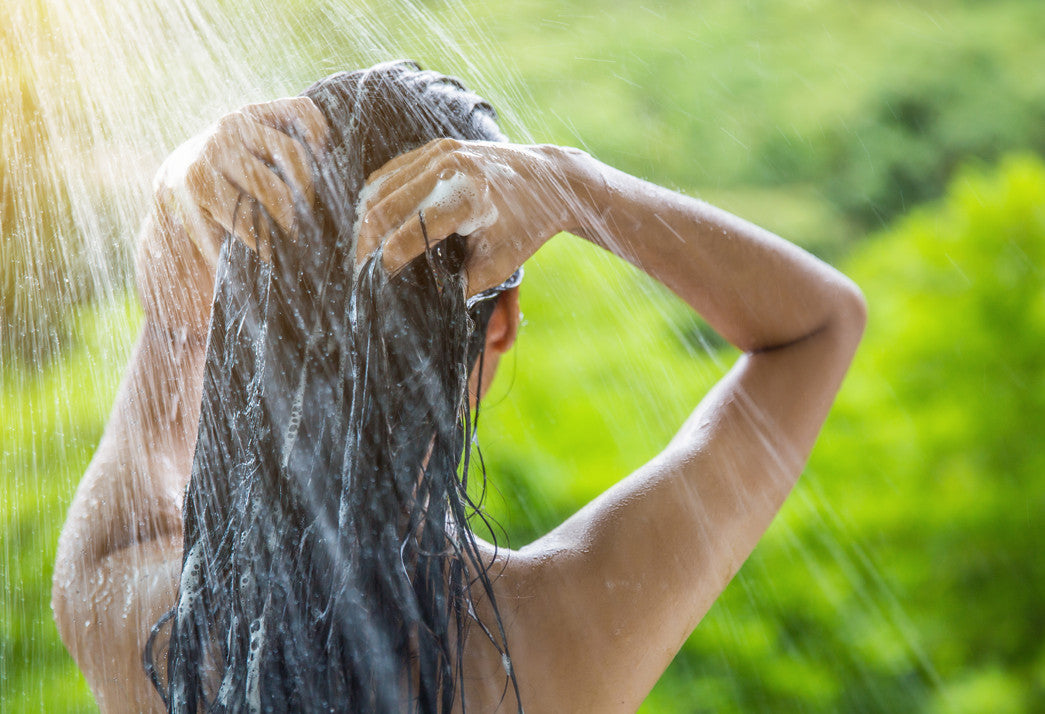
x=95, y=94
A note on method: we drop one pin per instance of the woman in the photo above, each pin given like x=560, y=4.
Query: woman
x=587, y=617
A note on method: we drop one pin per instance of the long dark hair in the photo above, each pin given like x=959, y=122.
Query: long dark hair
x=328, y=560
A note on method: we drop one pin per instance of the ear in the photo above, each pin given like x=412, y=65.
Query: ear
x=503, y=327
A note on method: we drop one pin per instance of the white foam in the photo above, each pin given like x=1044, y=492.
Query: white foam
x=253, y=683
x=459, y=189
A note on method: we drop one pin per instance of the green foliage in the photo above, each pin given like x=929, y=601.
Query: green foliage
x=940, y=459
x=909, y=136
x=903, y=574
x=50, y=421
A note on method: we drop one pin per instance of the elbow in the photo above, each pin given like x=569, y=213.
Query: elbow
x=69, y=604
x=842, y=325
x=840, y=321
x=851, y=313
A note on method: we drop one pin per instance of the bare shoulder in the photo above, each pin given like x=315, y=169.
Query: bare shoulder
x=552, y=628
x=595, y=610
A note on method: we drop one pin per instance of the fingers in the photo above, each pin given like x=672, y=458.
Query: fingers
x=435, y=156
x=295, y=116
x=447, y=187
x=440, y=173
x=389, y=207
x=217, y=201
x=488, y=267
x=287, y=156
x=485, y=266
x=421, y=157
x=454, y=203
x=254, y=178
x=410, y=240
x=253, y=227
x=249, y=164
x=241, y=141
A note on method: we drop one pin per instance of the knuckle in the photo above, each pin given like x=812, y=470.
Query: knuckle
x=256, y=108
x=238, y=120
x=196, y=175
x=470, y=164
x=447, y=144
x=230, y=125
x=209, y=154
x=457, y=161
x=227, y=121
x=165, y=177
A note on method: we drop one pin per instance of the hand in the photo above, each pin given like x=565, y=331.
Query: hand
x=214, y=183
x=506, y=198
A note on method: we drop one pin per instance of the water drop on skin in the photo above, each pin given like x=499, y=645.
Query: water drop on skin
x=458, y=189
x=363, y=205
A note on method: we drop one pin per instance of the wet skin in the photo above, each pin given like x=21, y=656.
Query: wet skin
x=596, y=609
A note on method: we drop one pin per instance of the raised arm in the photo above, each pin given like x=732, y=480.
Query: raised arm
x=644, y=562
x=119, y=555
x=611, y=594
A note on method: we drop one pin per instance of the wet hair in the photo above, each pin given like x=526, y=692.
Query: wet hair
x=328, y=560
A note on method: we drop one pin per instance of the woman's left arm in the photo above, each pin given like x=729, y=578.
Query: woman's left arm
x=625, y=581
x=611, y=594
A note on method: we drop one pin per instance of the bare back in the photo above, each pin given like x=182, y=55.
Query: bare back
x=593, y=611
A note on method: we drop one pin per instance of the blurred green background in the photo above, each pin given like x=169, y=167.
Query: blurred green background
x=902, y=141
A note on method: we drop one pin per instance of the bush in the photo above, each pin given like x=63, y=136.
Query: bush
x=940, y=463
x=907, y=138
x=903, y=574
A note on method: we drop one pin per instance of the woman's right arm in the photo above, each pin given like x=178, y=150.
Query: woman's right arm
x=119, y=555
